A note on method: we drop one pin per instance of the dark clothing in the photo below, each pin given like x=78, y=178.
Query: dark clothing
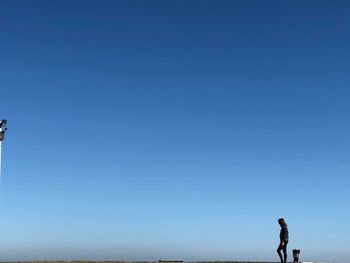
x=284, y=248
x=284, y=236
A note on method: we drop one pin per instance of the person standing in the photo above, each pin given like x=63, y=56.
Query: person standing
x=284, y=238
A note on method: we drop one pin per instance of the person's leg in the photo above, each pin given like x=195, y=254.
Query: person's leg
x=279, y=252
x=285, y=252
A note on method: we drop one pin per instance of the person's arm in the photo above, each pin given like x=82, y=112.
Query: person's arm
x=284, y=235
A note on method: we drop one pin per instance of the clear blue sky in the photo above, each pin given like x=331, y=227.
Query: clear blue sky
x=174, y=129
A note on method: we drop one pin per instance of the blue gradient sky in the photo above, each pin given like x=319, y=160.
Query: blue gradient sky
x=174, y=129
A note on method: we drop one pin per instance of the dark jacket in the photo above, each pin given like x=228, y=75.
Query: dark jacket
x=284, y=236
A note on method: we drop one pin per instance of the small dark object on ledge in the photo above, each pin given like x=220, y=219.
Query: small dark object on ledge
x=170, y=261
x=296, y=253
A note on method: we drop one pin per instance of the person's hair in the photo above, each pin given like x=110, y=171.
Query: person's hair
x=281, y=221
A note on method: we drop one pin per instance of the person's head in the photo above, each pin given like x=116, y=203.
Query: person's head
x=282, y=222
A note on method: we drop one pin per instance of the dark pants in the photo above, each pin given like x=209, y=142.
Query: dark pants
x=284, y=248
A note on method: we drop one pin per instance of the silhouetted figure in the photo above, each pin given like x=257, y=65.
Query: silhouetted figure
x=284, y=238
